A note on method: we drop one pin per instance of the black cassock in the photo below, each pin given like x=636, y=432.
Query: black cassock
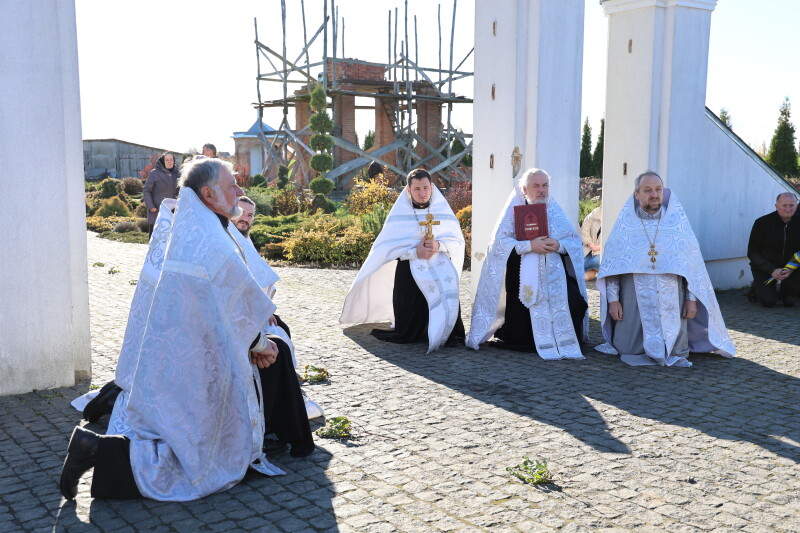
x=516, y=333
x=411, y=312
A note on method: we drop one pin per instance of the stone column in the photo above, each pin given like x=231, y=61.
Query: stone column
x=655, y=96
x=528, y=74
x=44, y=303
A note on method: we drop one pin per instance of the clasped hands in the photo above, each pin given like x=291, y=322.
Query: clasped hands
x=781, y=274
x=689, y=310
x=544, y=245
x=427, y=248
x=267, y=357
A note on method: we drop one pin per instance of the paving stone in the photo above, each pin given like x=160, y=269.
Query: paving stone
x=713, y=447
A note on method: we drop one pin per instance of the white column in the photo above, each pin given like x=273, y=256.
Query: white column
x=655, y=97
x=44, y=304
x=528, y=74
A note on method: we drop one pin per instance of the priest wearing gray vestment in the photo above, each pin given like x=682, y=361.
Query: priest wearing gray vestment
x=657, y=303
x=531, y=294
x=411, y=274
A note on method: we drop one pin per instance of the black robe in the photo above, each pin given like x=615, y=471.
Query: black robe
x=411, y=312
x=516, y=333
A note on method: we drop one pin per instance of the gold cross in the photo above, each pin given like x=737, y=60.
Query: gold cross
x=429, y=222
x=652, y=253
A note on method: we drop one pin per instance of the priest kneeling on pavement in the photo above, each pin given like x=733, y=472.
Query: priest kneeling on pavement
x=193, y=419
x=411, y=274
x=656, y=300
x=531, y=294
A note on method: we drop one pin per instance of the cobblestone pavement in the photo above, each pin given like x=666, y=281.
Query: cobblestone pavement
x=712, y=448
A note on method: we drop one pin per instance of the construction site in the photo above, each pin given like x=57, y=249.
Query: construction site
x=412, y=104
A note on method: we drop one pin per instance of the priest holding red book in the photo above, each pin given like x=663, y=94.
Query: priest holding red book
x=531, y=294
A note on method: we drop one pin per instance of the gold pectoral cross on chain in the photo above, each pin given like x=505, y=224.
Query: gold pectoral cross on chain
x=653, y=253
x=429, y=222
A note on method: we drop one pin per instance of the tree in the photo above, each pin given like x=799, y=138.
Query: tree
x=782, y=150
x=321, y=123
x=725, y=117
x=586, y=150
x=597, y=158
x=369, y=140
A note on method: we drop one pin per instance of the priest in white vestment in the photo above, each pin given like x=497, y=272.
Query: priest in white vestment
x=408, y=278
x=194, y=409
x=531, y=294
x=657, y=303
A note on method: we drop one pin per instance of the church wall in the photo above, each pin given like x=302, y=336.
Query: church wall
x=44, y=310
x=528, y=72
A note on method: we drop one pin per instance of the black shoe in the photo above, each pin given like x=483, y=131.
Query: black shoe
x=273, y=447
x=302, y=450
x=80, y=458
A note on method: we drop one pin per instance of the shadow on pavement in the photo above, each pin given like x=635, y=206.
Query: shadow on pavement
x=737, y=399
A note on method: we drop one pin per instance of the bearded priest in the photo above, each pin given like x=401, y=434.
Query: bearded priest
x=656, y=300
x=531, y=294
x=411, y=274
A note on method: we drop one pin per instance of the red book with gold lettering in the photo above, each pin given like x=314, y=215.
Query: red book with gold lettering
x=530, y=221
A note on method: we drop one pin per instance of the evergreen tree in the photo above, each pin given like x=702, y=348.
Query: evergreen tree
x=725, y=117
x=369, y=140
x=586, y=150
x=782, y=151
x=597, y=158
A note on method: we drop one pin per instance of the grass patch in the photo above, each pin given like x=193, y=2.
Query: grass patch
x=337, y=427
x=137, y=237
x=532, y=472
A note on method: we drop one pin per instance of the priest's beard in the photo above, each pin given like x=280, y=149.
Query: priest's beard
x=231, y=212
x=245, y=232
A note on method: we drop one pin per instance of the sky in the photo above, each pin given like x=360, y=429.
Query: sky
x=180, y=73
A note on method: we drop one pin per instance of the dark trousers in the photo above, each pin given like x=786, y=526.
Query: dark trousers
x=113, y=476
x=516, y=333
x=768, y=295
x=411, y=311
x=284, y=407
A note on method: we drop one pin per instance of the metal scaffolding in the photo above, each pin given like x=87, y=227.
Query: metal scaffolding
x=405, y=85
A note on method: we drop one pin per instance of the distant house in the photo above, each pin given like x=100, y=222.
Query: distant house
x=250, y=151
x=119, y=159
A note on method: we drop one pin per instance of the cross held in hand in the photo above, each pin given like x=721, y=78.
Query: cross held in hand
x=429, y=221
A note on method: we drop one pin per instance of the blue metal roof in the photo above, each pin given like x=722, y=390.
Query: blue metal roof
x=268, y=130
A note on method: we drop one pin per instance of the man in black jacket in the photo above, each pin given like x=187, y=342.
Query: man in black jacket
x=773, y=240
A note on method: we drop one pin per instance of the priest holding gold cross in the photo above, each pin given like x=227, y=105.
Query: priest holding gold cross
x=410, y=277
x=656, y=300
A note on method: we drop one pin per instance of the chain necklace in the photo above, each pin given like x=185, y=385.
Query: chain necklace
x=652, y=253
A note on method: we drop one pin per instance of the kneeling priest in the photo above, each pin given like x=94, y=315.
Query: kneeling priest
x=656, y=299
x=411, y=274
x=532, y=294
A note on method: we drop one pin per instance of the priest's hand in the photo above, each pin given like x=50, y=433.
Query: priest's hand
x=267, y=357
x=272, y=320
x=615, y=310
x=427, y=248
x=544, y=245
x=689, y=309
x=781, y=274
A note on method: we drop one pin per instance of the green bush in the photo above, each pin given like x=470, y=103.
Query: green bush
x=330, y=240
x=283, y=176
x=90, y=186
x=321, y=185
x=321, y=142
x=259, y=181
x=113, y=207
x=263, y=199
x=273, y=230
x=110, y=187
x=140, y=211
x=373, y=221
x=586, y=206
x=137, y=237
x=321, y=162
x=103, y=224
x=132, y=186
x=366, y=195
x=274, y=250
x=320, y=122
